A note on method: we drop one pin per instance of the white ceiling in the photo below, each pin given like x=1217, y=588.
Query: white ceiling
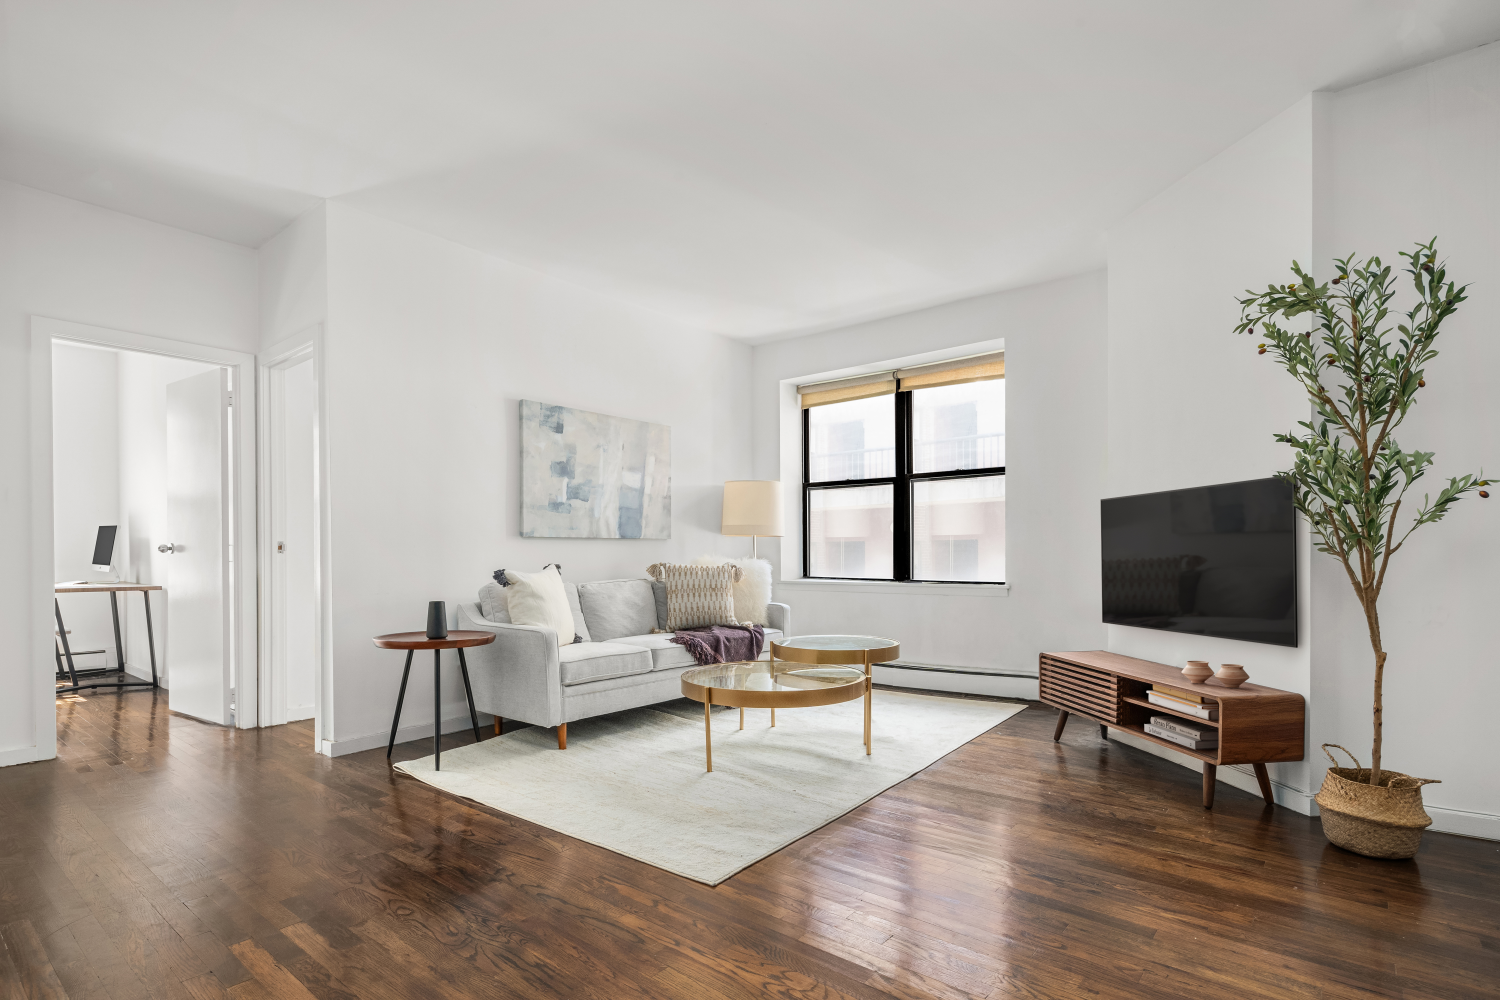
x=756, y=168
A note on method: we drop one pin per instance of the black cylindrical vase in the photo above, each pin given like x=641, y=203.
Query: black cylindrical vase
x=437, y=620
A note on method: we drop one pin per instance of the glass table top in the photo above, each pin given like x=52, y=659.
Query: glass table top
x=758, y=677
x=837, y=642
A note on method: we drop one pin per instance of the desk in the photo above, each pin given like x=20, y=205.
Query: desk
x=111, y=589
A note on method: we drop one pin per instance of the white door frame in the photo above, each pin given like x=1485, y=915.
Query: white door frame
x=305, y=346
x=244, y=594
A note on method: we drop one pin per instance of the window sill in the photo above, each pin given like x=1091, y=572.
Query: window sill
x=904, y=588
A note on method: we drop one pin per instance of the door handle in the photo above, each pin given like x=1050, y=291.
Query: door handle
x=167, y=548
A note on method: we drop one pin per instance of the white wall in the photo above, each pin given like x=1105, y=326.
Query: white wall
x=294, y=278
x=143, y=380
x=1410, y=157
x=429, y=348
x=1054, y=342
x=86, y=488
x=1190, y=402
x=64, y=259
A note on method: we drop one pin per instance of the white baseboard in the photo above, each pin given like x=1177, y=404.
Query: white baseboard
x=959, y=680
x=354, y=744
x=1485, y=826
x=1240, y=776
x=24, y=755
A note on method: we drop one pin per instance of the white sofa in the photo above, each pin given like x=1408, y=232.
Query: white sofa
x=525, y=676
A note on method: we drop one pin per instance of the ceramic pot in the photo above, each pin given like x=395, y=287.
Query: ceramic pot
x=1197, y=671
x=1232, y=675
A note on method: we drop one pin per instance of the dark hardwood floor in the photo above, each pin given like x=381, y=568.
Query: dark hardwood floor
x=160, y=857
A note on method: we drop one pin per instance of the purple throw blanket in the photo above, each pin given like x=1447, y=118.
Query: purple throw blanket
x=722, y=643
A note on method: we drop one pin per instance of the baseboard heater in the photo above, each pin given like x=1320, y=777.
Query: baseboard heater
x=975, y=671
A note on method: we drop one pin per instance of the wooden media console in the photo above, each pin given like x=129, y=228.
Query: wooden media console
x=1257, y=725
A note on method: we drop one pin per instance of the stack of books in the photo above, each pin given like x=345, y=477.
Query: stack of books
x=1185, y=734
x=1179, y=700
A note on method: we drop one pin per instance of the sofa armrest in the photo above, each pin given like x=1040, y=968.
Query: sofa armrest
x=517, y=676
x=780, y=616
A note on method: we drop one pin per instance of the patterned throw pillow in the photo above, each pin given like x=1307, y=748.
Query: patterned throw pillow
x=697, y=595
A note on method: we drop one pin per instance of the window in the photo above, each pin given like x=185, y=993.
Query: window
x=904, y=475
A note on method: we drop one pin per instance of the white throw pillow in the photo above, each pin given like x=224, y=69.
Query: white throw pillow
x=752, y=592
x=540, y=599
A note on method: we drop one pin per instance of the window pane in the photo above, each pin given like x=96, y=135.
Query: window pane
x=958, y=529
x=853, y=440
x=958, y=426
x=850, y=532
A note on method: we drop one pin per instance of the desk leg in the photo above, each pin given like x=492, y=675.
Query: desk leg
x=1062, y=720
x=1265, y=784
x=62, y=633
x=437, y=710
x=708, y=727
x=463, y=665
x=1210, y=779
x=400, y=698
x=114, y=612
x=150, y=636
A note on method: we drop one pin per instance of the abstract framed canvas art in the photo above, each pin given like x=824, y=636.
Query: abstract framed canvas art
x=590, y=475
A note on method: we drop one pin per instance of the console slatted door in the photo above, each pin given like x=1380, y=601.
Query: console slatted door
x=1087, y=691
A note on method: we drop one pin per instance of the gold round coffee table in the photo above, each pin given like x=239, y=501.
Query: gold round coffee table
x=838, y=671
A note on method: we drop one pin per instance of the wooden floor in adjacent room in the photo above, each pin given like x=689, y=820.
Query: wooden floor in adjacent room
x=160, y=857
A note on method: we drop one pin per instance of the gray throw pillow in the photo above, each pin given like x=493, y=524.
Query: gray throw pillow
x=615, y=608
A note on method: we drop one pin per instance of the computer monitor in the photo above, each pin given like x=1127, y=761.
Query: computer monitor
x=104, y=548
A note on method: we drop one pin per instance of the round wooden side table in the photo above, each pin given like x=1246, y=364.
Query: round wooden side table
x=413, y=641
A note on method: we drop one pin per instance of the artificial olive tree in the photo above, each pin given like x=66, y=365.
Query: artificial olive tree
x=1362, y=376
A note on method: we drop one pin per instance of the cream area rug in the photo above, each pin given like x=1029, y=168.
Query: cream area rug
x=635, y=783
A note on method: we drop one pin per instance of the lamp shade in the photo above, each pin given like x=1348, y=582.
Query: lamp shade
x=752, y=507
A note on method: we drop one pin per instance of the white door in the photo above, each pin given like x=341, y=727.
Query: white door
x=294, y=597
x=198, y=621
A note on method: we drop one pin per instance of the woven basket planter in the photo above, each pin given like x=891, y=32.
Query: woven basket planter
x=1378, y=821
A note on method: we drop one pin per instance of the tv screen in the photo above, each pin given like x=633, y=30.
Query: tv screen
x=1216, y=560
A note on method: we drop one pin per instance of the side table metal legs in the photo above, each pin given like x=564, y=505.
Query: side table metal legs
x=463, y=665
x=437, y=704
x=400, y=698
x=437, y=710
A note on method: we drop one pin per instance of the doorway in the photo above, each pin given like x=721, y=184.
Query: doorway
x=144, y=459
x=294, y=608
x=292, y=578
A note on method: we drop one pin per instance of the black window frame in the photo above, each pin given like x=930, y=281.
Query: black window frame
x=901, y=488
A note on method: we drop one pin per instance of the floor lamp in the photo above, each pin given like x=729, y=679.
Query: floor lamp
x=752, y=507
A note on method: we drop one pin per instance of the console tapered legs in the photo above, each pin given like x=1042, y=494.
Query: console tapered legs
x=1210, y=779
x=1062, y=720
x=1265, y=784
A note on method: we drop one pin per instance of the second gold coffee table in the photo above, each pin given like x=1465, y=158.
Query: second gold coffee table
x=838, y=671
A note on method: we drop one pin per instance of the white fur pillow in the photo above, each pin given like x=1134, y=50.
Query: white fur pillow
x=540, y=599
x=752, y=592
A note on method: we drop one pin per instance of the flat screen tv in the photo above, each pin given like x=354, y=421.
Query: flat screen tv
x=1215, y=560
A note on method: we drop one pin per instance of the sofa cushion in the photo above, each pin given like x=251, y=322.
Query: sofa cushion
x=668, y=655
x=596, y=661
x=493, y=606
x=613, y=608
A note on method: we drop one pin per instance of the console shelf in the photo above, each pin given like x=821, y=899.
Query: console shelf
x=1257, y=725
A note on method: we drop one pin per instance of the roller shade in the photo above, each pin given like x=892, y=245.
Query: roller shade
x=844, y=389
x=975, y=369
